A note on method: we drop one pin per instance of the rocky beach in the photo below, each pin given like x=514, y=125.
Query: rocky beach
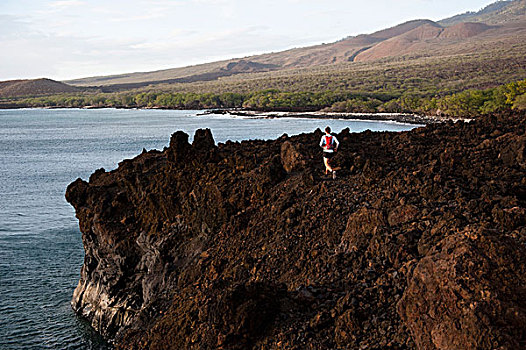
x=407, y=118
x=420, y=242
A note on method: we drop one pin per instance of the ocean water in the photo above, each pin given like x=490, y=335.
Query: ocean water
x=41, y=152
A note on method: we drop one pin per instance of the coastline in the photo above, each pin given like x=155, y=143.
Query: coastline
x=406, y=118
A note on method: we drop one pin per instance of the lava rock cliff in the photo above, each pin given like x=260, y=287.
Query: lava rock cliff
x=420, y=243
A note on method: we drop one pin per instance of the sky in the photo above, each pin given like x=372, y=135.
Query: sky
x=67, y=39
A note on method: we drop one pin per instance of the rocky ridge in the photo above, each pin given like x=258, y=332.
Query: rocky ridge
x=420, y=243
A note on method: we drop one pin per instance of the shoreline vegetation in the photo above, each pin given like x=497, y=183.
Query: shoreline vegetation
x=405, y=107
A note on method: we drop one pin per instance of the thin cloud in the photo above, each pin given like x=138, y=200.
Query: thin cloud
x=54, y=8
x=145, y=17
x=62, y=4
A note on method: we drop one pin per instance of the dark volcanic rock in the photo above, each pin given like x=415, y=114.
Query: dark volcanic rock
x=468, y=293
x=291, y=158
x=203, y=140
x=419, y=243
x=361, y=227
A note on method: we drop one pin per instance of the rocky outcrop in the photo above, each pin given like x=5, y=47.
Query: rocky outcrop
x=420, y=243
x=291, y=157
x=468, y=293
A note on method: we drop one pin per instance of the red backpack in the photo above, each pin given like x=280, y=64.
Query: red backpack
x=329, y=142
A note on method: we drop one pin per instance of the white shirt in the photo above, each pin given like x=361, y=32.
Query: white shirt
x=329, y=147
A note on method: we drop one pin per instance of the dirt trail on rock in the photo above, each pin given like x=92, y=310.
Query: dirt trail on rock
x=419, y=244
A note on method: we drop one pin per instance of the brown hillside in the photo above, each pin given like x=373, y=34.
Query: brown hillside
x=464, y=30
x=15, y=88
x=402, y=44
x=434, y=41
x=341, y=51
x=413, y=39
x=402, y=29
x=346, y=50
x=338, y=52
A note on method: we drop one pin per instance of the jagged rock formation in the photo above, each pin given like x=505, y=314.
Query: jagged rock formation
x=419, y=244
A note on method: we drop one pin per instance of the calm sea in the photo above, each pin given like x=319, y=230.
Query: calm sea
x=41, y=152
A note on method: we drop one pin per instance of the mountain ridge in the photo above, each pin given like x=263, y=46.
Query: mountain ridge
x=494, y=13
x=363, y=48
x=285, y=59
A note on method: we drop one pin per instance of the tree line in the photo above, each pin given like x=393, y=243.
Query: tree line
x=462, y=104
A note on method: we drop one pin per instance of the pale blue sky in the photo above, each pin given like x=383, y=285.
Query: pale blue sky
x=65, y=39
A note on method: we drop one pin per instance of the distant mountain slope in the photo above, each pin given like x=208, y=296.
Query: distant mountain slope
x=464, y=30
x=425, y=38
x=341, y=51
x=466, y=34
x=15, y=88
x=402, y=43
x=159, y=75
x=173, y=76
x=496, y=13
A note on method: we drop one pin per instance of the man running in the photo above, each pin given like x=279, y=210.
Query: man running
x=330, y=144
